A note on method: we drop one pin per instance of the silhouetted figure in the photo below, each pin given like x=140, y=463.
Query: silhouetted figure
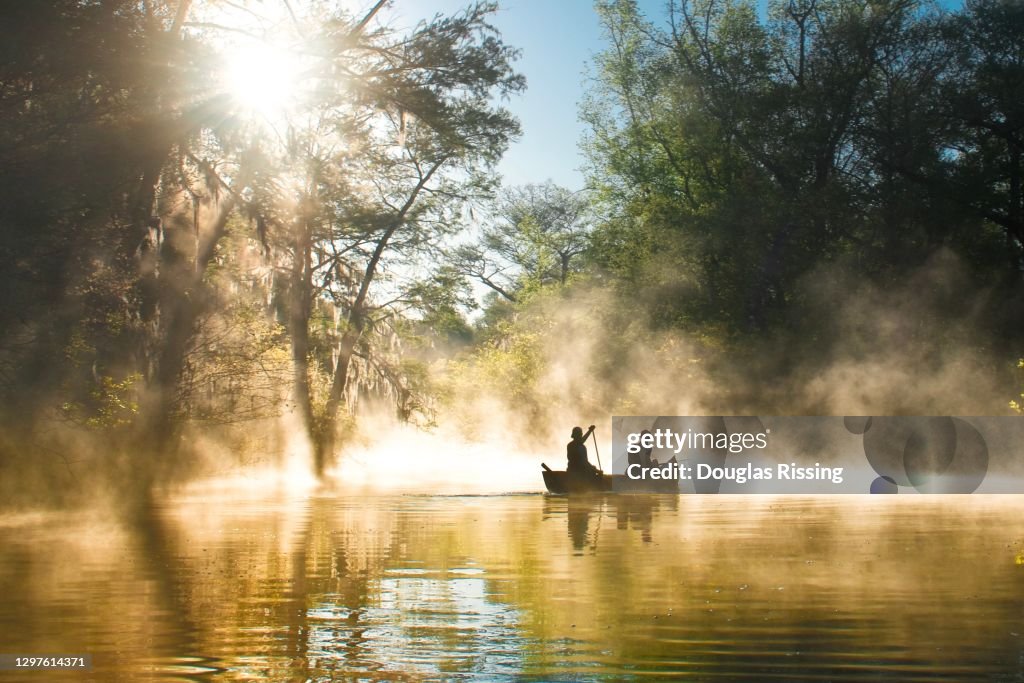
x=578, y=518
x=576, y=452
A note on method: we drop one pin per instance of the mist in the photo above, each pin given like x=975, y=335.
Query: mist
x=925, y=345
x=220, y=302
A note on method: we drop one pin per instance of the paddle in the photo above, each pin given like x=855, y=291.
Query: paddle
x=596, y=451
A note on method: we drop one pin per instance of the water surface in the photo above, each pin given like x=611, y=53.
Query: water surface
x=523, y=588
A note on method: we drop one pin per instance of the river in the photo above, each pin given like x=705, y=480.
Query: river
x=522, y=588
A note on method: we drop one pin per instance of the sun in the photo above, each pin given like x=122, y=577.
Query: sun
x=263, y=79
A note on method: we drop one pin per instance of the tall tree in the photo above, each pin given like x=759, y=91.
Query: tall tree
x=380, y=175
x=747, y=152
x=984, y=92
x=128, y=129
x=532, y=236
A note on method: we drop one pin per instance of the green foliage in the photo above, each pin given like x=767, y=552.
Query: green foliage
x=751, y=173
x=190, y=261
x=440, y=301
x=533, y=236
x=510, y=367
x=738, y=155
x=238, y=368
x=169, y=258
x=112, y=405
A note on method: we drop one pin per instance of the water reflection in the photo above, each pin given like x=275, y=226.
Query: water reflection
x=524, y=588
x=630, y=511
x=579, y=511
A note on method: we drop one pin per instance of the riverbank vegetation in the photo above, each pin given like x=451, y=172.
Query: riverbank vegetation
x=817, y=211
x=230, y=225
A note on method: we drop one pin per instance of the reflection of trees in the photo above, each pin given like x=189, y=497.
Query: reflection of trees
x=637, y=512
x=313, y=589
x=711, y=581
x=159, y=565
x=306, y=590
x=631, y=511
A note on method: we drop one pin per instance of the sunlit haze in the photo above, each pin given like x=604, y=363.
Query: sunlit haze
x=512, y=340
x=262, y=79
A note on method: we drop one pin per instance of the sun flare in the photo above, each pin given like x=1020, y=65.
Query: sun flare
x=263, y=79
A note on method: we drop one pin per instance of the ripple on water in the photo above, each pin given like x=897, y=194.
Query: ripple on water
x=525, y=588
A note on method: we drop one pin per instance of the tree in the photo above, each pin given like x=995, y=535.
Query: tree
x=736, y=155
x=92, y=92
x=984, y=92
x=376, y=181
x=533, y=237
x=150, y=190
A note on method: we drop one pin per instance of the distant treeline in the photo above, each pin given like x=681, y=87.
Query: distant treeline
x=745, y=152
x=816, y=208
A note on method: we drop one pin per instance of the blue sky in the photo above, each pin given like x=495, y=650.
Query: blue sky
x=557, y=38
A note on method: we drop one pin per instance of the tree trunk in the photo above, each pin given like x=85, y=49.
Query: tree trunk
x=324, y=447
x=300, y=309
x=181, y=303
x=324, y=438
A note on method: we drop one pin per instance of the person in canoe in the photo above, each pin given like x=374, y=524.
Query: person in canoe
x=576, y=452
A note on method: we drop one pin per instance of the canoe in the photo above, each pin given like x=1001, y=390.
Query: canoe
x=560, y=481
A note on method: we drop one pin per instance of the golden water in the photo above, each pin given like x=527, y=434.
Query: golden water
x=523, y=588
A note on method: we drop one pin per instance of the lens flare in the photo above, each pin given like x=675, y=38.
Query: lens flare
x=263, y=79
